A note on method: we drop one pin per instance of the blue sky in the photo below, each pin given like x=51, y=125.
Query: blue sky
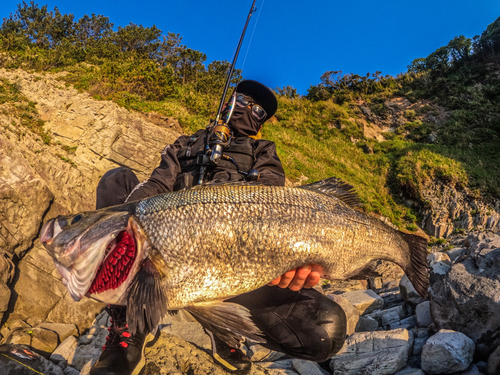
x=294, y=42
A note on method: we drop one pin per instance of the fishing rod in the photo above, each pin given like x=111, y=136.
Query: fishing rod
x=253, y=8
x=219, y=132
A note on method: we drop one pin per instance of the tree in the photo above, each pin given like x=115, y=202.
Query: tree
x=89, y=30
x=190, y=65
x=488, y=44
x=213, y=79
x=137, y=38
x=417, y=65
x=288, y=92
x=439, y=60
x=459, y=48
x=43, y=28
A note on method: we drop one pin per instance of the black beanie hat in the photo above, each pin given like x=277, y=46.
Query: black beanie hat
x=261, y=94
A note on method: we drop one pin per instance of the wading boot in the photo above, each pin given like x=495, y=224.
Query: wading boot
x=123, y=353
x=231, y=359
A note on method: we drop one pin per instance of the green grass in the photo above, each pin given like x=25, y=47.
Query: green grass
x=303, y=155
x=69, y=149
x=67, y=160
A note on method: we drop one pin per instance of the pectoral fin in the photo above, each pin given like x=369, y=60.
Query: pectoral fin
x=229, y=321
x=146, y=301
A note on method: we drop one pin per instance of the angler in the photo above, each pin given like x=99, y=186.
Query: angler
x=274, y=309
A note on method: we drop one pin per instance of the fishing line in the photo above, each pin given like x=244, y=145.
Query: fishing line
x=234, y=54
x=25, y=365
x=253, y=31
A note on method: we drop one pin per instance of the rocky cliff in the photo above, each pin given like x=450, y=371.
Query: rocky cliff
x=40, y=179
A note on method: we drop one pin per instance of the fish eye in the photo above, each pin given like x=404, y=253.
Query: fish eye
x=76, y=218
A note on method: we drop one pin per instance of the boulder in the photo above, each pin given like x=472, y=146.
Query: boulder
x=89, y=353
x=365, y=301
x=410, y=371
x=494, y=362
x=388, y=316
x=43, y=341
x=482, y=366
x=408, y=323
x=447, y=352
x=381, y=352
x=423, y=314
x=466, y=299
x=65, y=351
x=472, y=370
x=408, y=292
x=366, y=324
x=71, y=371
x=63, y=330
x=392, y=298
x=304, y=367
x=421, y=337
x=439, y=263
x=455, y=253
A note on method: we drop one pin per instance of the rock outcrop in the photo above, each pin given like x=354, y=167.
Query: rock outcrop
x=466, y=299
x=394, y=113
x=450, y=209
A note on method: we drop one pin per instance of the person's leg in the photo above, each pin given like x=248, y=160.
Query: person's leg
x=123, y=353
x=304, y=324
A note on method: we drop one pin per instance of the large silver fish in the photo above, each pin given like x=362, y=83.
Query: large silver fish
x=194, y=248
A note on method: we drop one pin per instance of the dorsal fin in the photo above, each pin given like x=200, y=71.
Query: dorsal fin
x=336, y=188
x=225, y=183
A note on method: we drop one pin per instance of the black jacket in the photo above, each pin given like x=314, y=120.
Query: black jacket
x=178, y=167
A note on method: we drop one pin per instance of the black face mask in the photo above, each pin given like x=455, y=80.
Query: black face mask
x=243, y=123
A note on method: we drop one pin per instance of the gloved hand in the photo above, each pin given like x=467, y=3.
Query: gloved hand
x=306, y=276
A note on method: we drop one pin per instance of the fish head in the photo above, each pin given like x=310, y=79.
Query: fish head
x=97, y=253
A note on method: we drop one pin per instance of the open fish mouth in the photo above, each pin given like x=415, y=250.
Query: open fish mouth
x=101, y=257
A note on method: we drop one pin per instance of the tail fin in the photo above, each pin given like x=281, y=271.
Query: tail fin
x=417, y=270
